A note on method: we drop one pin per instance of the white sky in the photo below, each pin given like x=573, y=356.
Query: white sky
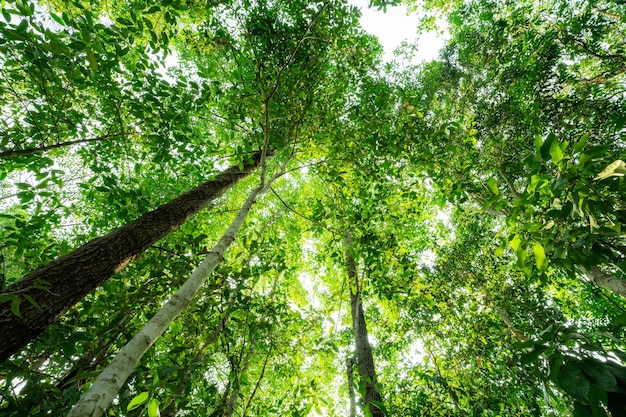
x=395, y=26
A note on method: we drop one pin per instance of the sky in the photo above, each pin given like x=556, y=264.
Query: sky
x=395, y=26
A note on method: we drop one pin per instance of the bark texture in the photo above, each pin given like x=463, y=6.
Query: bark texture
x=604, y=280
x=63, y=282
x=364, y=356
x=104, y=389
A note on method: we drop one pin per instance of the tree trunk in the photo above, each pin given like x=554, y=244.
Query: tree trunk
x=350, y=373
x=63, y=282
x=364, y=356
x=101, y=393
x=504, y=315
x=604, y=280
x=509, y=324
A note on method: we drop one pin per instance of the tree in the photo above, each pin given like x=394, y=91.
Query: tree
x=476, y=189
x=368, y=383
x=54, y=288
x=106, y=386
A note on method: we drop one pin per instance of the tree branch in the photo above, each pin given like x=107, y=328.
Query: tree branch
x=60, y=145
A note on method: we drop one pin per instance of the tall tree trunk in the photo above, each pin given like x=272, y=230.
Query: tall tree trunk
x=604, y=280
x=63, y=282
x=364, y=356
x=99, y=396
x=350, y=373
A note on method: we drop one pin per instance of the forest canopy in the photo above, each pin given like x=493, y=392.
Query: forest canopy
x=237, y=208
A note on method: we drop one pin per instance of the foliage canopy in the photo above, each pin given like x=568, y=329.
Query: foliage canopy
x=473, y=206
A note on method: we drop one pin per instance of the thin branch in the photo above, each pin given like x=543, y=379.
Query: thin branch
x=587, y=49
x=291, y=209
x=298, y=45
x=609, y=14
x=508, y=182
x=60, y=145
x=258, y=382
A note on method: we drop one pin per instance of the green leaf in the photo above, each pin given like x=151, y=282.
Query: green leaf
x=15, y=305
x=573, y=381
x=533, y=355
x=93, y=62
x=599, y=375
x=78, y=45
x=123, y=21
x=153, y=408
x=580, y=145
x=540, y=257
x=547, y=146
x=492, y=184
x=515, y=242
x=555, y=152
x=32, y=301
x=138, y=400
x=381, y=406
x=582, y=410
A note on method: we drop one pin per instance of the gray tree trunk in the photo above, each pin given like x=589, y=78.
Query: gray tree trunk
x=604, y=280
x=57, y=286
x=364, y=356
x=97, y=399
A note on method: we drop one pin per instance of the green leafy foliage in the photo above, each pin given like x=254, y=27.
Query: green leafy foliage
x=476, y=187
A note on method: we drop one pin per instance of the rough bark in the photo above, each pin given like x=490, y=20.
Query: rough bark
x=604, y=280
x=63, y=282
x=105, y=388
x=364, y=356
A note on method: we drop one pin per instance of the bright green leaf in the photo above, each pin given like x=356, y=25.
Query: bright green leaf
x=153, y=408
x=555, y=152
x=540, y=257
x=492, y=184
x=138, y=400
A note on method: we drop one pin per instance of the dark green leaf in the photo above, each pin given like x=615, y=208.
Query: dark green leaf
x=573, y=381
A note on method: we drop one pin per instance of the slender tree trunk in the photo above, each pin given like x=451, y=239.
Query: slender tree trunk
x=350, y=373
x=230, y=403
x=604, y=280
x=56, y=287
x=99, y=396
x=504, y=315
x=258, y=382
x=509, y=324
x=364, y=356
